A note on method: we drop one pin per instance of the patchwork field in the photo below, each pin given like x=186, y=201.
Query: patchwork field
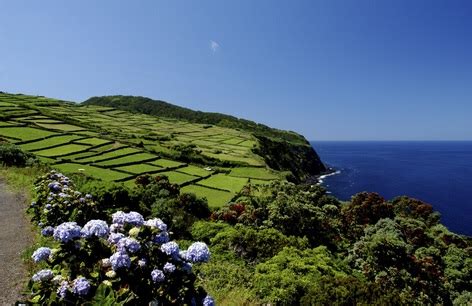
x=115, y=145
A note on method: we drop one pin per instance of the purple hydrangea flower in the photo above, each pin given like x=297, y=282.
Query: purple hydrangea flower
x=169, y=268
x=41, y=253
x=198, y=252
x=67, y=231
x=156, y=223
x=47, y=231
x=97, y=228
x=63, y=289
x=114, y=238
x=157, y=276
x=170, y=248
x=115, y=227
x=208, y=301
x=134, y=218
x=129, y=244
x=81, y=286
x=82, y=200
x=119, y=217
x=162, y=237
x=42, y=276
x=120, y=260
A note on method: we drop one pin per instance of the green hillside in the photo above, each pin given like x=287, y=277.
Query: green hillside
x=211, y=160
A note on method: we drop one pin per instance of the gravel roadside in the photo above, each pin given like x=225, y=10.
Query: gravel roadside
x=15, y=236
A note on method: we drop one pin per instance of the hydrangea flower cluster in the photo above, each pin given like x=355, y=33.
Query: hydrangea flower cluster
x=42, y=253
x=198, y=252
x=67, y=231
x=96, y=228
x=81, y=286
x=42, y=276
x=157, y=276
x=120, y=260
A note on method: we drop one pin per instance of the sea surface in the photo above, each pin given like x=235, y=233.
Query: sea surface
x=437, y=172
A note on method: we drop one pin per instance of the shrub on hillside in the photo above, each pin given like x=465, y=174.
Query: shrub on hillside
x=11, y=155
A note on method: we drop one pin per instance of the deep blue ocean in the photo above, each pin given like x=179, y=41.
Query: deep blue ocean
x=439, y=173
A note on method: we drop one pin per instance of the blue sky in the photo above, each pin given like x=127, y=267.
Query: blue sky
x=331, y=70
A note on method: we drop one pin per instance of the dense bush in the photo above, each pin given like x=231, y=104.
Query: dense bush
x=11, y=155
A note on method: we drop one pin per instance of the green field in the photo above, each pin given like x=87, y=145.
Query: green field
x=111, y=154
x=178, y=178
x=92, y=141
x=61, y=150
x=135, y=158
x=166, y=163
x=139, y=168
x=216, y=198
x=24, y=133
x=225, y=182
x=103, y=174
x=256, y=173
x=61, y=139
x=194, y=170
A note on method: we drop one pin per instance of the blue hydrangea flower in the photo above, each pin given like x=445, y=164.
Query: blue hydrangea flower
x=97, y=228
x=47, y=231
x=208, y=301
x=82, y=200
x=120, y=260
x=170, y=248
x=41, y=253
x=81, y=286
x=63, y=289
x=129, y=244
x=198, y=252
x=156, y=223
x=157, y=276
x=187, y=267
x=42, y=276
x=134, y=218
x=162, y=237
x=67, y=231
x=114, y=238
x=169, y=268
x=119, y=217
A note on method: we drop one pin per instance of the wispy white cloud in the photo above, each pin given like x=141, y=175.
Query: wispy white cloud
x=214, y=46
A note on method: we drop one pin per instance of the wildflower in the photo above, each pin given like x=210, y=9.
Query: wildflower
x=67, y=231
x=114, y=238
x=129, y=244
x=170, y=248
x=47, y=231
x=169, y=268
x=120, y=260
x=208, y=301
x=63, y=289
x=42, y=253
x=198, y=252
x=81, y=286
x=42, y=276
x=157, y=276
x=156, y=223
x=134, y=218
x=97, y=228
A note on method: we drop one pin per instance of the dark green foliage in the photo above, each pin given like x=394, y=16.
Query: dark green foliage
x=11, y=155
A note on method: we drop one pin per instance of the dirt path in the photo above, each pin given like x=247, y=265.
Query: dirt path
x=15, y=237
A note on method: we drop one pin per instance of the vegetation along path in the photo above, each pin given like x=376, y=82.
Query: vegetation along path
x=15, y=237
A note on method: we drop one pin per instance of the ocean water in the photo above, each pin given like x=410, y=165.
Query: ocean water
x=439, y=173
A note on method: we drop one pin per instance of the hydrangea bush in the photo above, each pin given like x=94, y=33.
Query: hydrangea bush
x=129, y=261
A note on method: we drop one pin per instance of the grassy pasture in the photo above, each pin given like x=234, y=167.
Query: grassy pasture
x=194, y=170
x=62, y=150
x=225, y=182
x=253, y=172
x=135, y=158
x=215, y=198
x=177, y=177
x=25, y=133
x=166, y=163
x=92, y=141
x=103, y=174
x=48, y=142
x=139, y=168
x=60, y=127
x=2, y=104
x=111, y=154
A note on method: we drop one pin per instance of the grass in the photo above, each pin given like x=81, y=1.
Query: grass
x=61, y=127
x=135, y=158
x=252, y=172
x=215, y=198
x=194, y=170
x=92, y=141
x=44, y=143
x=24, y=133
x=139, y=168
x=225, y=182
x=62, y=150
x=178, y=178
x=22, y=179
x=104, y=174
x=167, y=163
x=111, y=154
